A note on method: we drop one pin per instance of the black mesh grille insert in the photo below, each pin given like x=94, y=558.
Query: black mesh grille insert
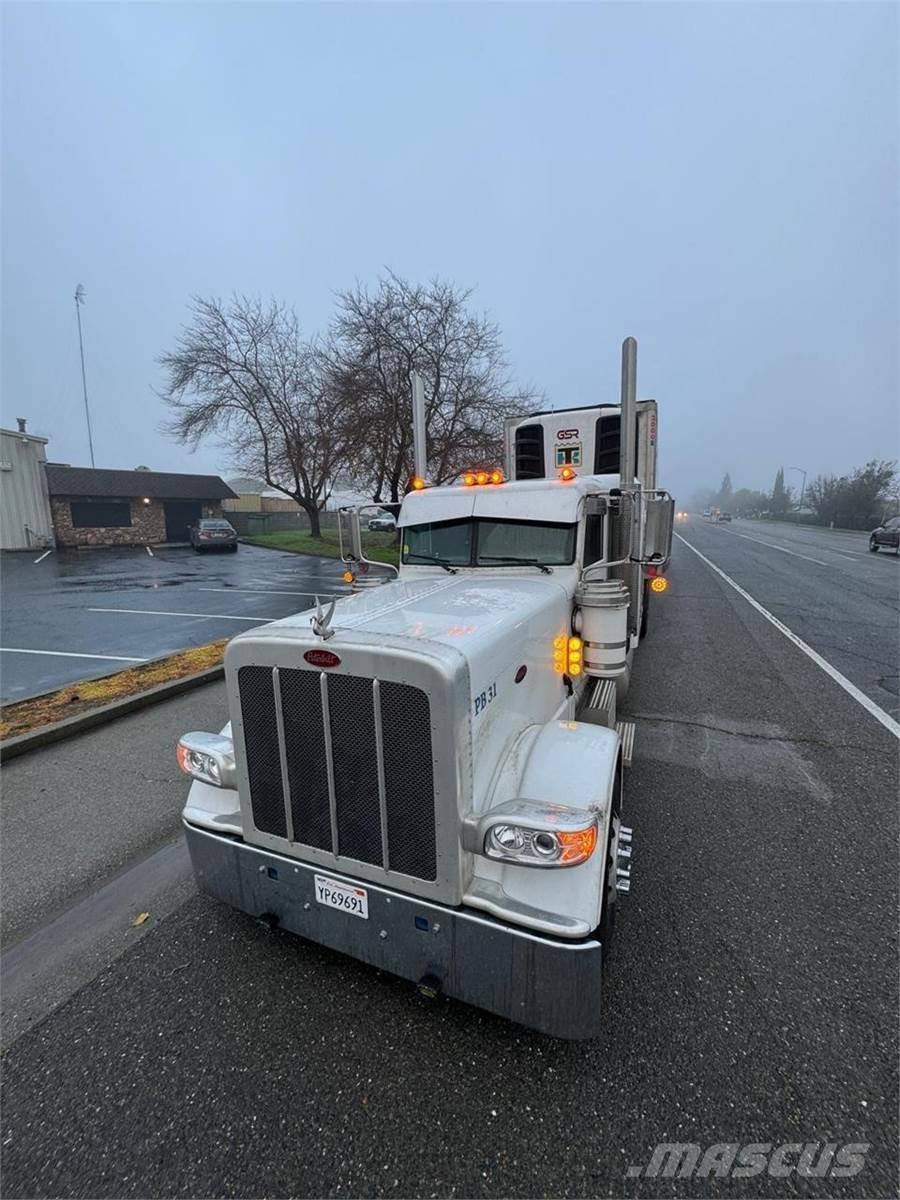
x=304, y=739
x=355, y=767
x=261, y=740
x=408, y=768
x=530, y=452
x=409, y=780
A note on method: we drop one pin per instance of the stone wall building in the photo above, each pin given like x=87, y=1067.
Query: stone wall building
x=129, y=508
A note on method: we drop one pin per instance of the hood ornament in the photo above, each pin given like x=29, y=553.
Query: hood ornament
x=321, y=622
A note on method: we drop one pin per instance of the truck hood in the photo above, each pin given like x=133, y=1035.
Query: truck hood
x=463, y=613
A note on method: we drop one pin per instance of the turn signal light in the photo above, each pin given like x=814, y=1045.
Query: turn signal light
x=659, y=583
x=567, y=474
x=574, y=648
x=348, y=577
x=576, y=847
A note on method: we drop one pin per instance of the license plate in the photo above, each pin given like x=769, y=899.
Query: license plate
x=344, y=896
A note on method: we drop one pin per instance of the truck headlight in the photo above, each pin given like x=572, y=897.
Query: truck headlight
x=533, y=834
x=208, y=757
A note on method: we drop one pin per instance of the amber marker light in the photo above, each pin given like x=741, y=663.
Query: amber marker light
x=496, y=476
x=576, y=847
x=659, y=583
x=469, y=479
x=417, y=483
x=567, y=474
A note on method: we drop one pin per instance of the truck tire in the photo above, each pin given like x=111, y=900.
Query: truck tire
x=645, y=609
x=606, y=927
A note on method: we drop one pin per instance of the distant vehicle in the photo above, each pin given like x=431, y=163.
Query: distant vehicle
x=681, y=516
x=384, y=522
x=707, y=512
x=887, y=535
x=724, y=517
x=213, y=533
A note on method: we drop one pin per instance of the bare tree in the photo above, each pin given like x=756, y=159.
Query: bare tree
x=377, y=341
x=242, y=373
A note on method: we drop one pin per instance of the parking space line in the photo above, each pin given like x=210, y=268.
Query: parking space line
x=42, y=557
x=154, y=612
x=271, y=592
x=70, y=654
x=851, y=689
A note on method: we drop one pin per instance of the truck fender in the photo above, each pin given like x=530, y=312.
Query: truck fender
x=564, y=762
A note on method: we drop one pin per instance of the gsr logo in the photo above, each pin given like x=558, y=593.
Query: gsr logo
x=564, y=435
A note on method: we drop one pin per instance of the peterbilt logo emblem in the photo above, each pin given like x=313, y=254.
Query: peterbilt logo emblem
x=565, y=434
x=322, y=658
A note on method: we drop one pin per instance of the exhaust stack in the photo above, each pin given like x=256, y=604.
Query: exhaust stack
x=627, y=430
x=420, y=451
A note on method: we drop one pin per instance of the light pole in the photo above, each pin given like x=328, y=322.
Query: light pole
x=79, y=300
x=802, y=485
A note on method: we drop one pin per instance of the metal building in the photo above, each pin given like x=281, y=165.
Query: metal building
x=24, y=503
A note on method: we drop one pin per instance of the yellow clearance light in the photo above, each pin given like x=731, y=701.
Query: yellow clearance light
x=496, y=476
x=659, y=583
x=567, y=474
x=348, y=577
x=417, y=483
x=469, y=479
x=481, y=477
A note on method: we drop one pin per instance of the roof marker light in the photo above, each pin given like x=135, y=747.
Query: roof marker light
x=481, y=477
x=496, y=476
x=469, y=479
x=417, y=483
x=567, y=474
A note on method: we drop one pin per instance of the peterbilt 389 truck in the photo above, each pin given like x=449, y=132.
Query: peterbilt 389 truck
x=427, y=774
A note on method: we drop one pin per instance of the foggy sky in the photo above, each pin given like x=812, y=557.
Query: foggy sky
x=720, y=181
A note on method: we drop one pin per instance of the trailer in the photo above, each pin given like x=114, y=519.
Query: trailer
x=428, y=773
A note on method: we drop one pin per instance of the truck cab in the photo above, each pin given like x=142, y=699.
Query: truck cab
x=428, y=774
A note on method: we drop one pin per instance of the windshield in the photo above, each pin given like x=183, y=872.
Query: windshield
x=206, y=524
x=483, y=542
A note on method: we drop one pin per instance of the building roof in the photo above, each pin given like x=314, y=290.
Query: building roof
x=159, y=485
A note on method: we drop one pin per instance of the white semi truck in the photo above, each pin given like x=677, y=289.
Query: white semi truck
x=427, y=775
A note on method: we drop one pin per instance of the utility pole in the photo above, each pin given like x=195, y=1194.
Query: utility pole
x=79, y=300
x=802, y=485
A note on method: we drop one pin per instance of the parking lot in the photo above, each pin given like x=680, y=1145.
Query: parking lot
x=82, y=614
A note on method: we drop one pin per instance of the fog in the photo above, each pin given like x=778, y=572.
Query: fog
x=720, y=181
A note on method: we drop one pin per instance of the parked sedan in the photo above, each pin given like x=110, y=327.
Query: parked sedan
x=383, y=521
x=213, y=534
x=724, y=517
x=887, y=534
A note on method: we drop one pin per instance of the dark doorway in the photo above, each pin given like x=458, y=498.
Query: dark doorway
x=180, y=514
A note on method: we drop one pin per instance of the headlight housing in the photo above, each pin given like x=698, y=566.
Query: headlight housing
x=208, y=757
x=530, y=833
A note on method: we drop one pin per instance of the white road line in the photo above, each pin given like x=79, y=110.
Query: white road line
x=69, y=654
x=154, y=612
x=772, y=546
x=150, y=552
x=272, y=592
x=43, y=556
x=851, y=689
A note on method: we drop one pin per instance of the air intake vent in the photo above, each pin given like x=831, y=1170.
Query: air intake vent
x=530, y=452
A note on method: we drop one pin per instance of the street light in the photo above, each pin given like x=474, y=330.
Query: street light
x=802, y=485
x=79, y=300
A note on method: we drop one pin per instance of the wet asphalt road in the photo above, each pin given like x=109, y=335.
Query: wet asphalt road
x=69, y=607
x=751, y=995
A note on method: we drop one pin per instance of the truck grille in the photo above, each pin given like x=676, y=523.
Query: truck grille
x=341, y=763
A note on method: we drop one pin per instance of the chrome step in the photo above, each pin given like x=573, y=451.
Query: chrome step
x=625, y=730
x=601, y=706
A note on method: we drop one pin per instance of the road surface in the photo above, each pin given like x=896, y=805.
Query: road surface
x=751, y=995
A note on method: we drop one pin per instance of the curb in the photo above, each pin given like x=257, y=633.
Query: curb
x=26, y=742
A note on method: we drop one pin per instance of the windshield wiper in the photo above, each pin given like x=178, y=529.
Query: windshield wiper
x=441, y=562
x=527, y=562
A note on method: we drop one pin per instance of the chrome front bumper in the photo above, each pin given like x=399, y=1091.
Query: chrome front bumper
x=549, y=985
